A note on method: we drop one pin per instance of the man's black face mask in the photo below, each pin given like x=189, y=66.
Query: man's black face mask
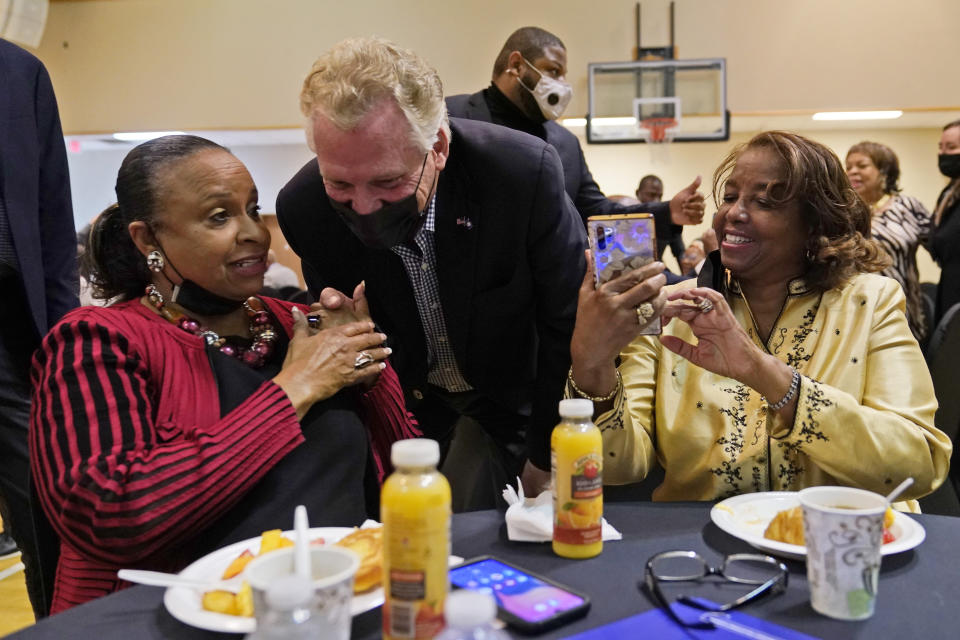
x=392, y=224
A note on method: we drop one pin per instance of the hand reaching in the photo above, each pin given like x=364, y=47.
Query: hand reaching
x=687, y=207
x=723, y=347
x=335, y=309
x=317, y=366
x=607, y=321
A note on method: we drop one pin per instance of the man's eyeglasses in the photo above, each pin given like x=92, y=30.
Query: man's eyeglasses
x=767, y=575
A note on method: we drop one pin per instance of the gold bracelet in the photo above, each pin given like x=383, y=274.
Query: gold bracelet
x=580, y=392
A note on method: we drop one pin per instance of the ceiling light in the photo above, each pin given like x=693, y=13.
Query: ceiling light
x=857, y=115
x=142, y=136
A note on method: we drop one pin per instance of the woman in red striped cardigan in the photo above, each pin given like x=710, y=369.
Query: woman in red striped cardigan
x=190, y=413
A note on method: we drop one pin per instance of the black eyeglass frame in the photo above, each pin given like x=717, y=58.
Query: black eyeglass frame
x=774, y=585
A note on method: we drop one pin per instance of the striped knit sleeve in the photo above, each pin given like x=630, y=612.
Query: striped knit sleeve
x=115, y=485
x=386, y=418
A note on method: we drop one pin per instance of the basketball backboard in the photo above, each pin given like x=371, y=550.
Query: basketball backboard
x=641, y=101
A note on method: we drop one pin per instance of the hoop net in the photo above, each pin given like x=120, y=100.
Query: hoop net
x=659, y=130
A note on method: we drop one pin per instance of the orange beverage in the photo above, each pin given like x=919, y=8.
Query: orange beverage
x=415, y=509
x=576, y=457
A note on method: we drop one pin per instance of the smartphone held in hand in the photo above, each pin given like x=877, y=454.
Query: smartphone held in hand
x=622, y=243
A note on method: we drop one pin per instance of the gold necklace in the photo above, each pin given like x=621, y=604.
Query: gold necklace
x=880, y=204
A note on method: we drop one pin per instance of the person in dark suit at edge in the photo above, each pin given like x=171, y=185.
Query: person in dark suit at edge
x=469, y=256
x=38, y=273
x=528, y=93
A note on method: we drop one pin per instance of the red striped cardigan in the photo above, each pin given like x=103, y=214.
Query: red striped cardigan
x=128, y=451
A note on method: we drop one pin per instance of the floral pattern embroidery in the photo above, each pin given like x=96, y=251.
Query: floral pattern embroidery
x=798, y=353
x=732, y=443
x=790, y=469
x=731, y=477
x=814, y=401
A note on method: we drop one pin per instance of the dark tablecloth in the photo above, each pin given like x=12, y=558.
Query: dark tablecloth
x=918, y=594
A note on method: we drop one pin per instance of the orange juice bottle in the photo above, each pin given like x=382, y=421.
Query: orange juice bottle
x=576, y=462
x=415, y=509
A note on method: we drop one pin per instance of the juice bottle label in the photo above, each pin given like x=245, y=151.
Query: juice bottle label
x=416, y=574
x=577, y=520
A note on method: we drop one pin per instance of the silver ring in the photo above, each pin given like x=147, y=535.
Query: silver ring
x=363, y=359
x=313, y=322
x=705, y=306
x=645, y=313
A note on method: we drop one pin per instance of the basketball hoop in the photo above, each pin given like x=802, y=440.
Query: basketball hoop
x=659, y=130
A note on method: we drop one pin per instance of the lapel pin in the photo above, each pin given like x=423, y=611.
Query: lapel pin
x=465, y=222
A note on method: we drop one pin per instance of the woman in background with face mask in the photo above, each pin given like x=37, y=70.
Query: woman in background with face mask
x=945, y=238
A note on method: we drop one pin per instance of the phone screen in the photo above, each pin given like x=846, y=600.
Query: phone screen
x=525, y=596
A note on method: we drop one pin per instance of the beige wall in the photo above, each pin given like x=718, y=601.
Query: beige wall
x=207, y=64
x=146, y=64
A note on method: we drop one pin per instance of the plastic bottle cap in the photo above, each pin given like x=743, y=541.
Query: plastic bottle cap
x=467, y=609
x=415, y=452
x=576, y=408
x=289, y=592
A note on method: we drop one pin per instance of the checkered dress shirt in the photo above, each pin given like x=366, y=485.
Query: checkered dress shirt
x=421, y=270
x=8, y=254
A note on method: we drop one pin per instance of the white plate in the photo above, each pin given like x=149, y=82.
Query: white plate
x=185, y=604
x=746, y=517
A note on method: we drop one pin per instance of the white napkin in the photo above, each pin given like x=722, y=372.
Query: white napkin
x=531, y=519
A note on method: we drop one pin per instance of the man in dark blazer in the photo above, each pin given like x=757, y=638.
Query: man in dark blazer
x=532, y=57
x=38, y=269
x=476, y=283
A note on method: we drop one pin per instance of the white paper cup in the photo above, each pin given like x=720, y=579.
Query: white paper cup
x=843, y=528
x=332, y=570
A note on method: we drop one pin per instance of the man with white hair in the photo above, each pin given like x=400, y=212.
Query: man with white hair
x=470, y=258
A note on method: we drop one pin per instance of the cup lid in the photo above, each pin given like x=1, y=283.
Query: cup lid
x=467, y=609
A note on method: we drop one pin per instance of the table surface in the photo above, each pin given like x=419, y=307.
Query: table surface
x=918, y=596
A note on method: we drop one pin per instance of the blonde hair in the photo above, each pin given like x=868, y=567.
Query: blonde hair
x=355, y=75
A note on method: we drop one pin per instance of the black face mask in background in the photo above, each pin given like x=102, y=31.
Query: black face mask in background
x=949, y=164
x=392, y=224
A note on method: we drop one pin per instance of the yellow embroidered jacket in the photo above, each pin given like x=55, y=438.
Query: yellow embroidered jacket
x=864, y=416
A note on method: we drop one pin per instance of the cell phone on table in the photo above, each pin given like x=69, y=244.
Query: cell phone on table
x=622, y=243
x=526, y=601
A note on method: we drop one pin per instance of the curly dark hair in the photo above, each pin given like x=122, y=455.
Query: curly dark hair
x=884, y=159
x=113, y=265
x=838, y=243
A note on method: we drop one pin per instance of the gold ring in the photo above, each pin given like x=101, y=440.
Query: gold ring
x=645, y=313
x=363, y=359
x=705, y=306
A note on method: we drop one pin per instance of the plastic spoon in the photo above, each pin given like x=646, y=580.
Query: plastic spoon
x=160, y=579
x=301, y=543
x=903, y=486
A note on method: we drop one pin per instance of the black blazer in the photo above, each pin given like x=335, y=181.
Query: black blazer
x=36, y=187
x=509, y=262
x=577, y=179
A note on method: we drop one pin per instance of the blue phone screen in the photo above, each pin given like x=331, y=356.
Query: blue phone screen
x=515, y=591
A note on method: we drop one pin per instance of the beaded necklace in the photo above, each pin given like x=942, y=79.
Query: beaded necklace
x=264, y=334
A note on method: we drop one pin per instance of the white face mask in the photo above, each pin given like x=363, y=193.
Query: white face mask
x=552, y=95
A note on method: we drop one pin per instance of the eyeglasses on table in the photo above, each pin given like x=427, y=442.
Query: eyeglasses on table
x=768, y=575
